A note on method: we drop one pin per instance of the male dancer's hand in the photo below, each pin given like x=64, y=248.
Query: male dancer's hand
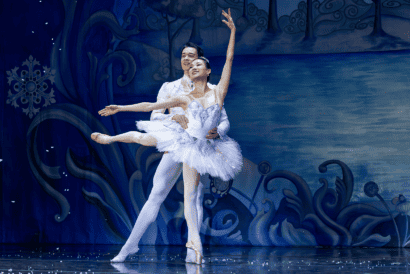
x=212, y=134
x=182, y=120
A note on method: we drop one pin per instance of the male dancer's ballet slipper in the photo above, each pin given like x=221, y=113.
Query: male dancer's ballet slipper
x=120, y=258
x=101, y=138
x=199, y=256
x=120, y=267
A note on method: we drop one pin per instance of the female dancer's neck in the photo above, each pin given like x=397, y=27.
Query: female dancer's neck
x=200, y=86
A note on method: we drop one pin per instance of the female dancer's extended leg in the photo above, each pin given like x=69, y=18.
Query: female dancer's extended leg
x=191, y=180
x=130, y=137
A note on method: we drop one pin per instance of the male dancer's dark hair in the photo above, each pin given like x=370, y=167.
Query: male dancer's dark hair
x=199, y=50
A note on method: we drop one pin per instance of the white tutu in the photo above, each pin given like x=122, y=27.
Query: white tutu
x=220, y=158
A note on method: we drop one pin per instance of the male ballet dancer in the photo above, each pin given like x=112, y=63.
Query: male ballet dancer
x=168, y=170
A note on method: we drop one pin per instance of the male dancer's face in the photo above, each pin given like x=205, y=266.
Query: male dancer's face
x=188, y=55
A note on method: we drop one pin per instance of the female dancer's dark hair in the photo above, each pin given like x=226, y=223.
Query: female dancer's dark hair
x=208, y=66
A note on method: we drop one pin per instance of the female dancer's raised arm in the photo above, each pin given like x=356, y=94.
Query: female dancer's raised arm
x=145, y=107
x=223, y=84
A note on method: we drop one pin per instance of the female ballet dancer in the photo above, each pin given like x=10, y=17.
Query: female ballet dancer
x=220, y=158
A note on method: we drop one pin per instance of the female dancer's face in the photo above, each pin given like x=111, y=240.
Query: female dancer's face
x=198, y=69
x=188, y=55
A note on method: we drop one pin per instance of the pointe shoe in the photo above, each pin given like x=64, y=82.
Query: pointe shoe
x=198, y=259
x=191, y=256
x=101, y=138
x=194, y=269
x=120, y=258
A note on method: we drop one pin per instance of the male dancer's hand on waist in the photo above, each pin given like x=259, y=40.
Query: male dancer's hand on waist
x=212, y=134
x=182, y=120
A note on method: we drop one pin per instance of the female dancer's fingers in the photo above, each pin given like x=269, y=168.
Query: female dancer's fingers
x=228, y=16
x=103, y=110
x=230, y=24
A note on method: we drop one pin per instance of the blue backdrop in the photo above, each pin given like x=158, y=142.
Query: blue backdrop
x=318, y=103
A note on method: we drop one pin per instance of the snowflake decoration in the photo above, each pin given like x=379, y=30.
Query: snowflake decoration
x=30, y=87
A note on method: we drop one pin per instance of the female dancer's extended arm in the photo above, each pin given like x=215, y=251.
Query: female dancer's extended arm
x=145, y=107
x=223, y=84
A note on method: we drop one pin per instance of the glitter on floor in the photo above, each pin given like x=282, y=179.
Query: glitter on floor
x=164, y=259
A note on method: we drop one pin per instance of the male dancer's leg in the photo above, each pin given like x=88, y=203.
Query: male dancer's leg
x=167, y=173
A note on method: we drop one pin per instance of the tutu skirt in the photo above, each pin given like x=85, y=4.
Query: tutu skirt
x=220, y=158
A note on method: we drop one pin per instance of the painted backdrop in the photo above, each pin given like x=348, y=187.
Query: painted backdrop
x=318, y=103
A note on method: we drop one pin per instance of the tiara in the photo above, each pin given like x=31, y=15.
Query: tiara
x=205, y=59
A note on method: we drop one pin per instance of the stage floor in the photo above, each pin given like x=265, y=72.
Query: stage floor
x=163, y=259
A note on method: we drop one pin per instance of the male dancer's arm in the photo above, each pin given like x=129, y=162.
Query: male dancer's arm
x=159, y=114
x=224, y=124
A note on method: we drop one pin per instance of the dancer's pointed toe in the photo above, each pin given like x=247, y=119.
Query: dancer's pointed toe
x=191, y=257
x=198, y=256
x=101, y=138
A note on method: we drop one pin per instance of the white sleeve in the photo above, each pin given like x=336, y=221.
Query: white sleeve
x=224, y=124
x=163, y=94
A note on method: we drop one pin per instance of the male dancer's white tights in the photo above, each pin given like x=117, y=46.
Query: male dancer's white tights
x=165, y=177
